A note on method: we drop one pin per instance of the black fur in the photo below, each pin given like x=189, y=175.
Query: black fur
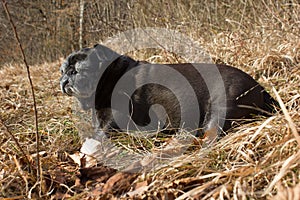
x=245, y=98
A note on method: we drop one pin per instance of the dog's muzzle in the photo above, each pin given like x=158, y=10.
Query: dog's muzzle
x=63, y=83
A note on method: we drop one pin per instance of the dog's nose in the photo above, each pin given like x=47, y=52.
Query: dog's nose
x=63, y=82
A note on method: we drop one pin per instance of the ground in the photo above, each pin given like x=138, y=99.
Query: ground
x=259, y=160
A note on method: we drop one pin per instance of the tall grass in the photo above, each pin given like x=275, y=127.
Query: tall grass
x=254, y=161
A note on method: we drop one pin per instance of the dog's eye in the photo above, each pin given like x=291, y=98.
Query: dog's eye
x=73, y=72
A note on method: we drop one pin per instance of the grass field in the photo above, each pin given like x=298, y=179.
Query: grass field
x=260, y=160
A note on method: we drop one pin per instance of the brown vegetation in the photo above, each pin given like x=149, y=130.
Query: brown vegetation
x=254, y=161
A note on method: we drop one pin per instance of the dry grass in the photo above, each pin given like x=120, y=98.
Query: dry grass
x=254, y=161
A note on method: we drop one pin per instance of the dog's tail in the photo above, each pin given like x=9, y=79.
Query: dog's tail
x=271, y=105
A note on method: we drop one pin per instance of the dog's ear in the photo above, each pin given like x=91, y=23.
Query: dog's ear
x=77, y=57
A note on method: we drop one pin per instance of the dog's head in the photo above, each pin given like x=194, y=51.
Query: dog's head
x=82, y=70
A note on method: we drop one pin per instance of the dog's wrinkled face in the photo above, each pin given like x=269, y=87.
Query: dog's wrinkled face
x=76, y=81
x=81, y=72
x=70, y=73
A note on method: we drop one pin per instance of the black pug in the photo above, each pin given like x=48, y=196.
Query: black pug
x=128, y=94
